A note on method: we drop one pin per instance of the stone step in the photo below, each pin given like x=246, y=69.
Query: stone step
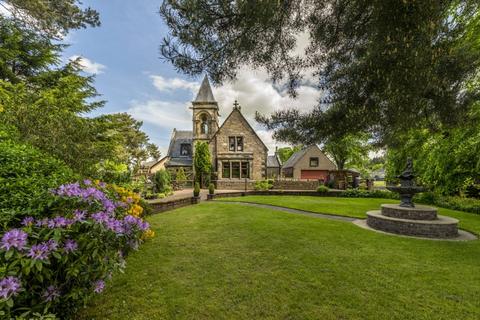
x=442, y=227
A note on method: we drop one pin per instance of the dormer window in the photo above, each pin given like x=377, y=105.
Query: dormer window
x=185, y=149
x=235, y=144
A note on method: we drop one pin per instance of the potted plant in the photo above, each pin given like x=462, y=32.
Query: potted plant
x=211, y=192
x=196, y=193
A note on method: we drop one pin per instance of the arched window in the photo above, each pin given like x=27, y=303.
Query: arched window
x=204, y=129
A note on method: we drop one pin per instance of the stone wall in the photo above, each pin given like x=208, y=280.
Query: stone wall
x=295, y=184
x=170, y=205
x=235, y=184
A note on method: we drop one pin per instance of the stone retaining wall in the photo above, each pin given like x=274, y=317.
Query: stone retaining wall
x=235, y=185
x=296, y=184
x=174, y=204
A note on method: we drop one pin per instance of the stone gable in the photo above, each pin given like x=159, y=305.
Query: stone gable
x=254, y=151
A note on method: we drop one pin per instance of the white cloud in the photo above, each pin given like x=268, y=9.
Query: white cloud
x=162, y=114
x=88, y=65
x=163, y=84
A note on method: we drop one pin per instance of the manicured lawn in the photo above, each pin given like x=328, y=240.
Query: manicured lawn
x=228, y=261
x=351, y=207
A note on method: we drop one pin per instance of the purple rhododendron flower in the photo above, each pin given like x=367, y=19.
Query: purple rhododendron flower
x=51, y=293
x=52, y=245
x=14, y=238
x=9, y=286
x=27, y=221
x=130, y=221
x=39, y=251
x=87, y=182
x=98, y=286
x=61, y=222
x=115, y=225
x=100, y=217
x=79, y=215
x=70, y=245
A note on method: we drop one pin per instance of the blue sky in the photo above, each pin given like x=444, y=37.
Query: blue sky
x=124, y=54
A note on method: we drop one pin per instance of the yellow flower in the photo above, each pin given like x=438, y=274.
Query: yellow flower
x=148, y=234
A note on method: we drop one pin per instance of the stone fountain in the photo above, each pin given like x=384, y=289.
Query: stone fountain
x=409, y=219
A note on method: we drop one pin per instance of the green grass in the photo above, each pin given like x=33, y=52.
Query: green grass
x=228, y=261
x=350, y=207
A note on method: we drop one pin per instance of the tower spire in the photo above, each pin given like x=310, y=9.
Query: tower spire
x=205, y=92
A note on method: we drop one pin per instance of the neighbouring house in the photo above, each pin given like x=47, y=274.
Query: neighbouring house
x=149, y=168
x=239, y=156
x=274, y=166
x=310, y=163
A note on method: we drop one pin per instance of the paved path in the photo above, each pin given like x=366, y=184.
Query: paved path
x=295, y=211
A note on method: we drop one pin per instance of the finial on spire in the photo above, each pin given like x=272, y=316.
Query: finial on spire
x=236, y=105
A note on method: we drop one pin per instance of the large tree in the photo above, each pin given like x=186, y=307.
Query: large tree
x=51, y=18
x=386, y=66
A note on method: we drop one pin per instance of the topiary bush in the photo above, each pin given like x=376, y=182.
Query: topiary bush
x=26, y=176
x=211, y=188
x=263, y=185
x=196, y=189
x=55, y=263
x=322, y=189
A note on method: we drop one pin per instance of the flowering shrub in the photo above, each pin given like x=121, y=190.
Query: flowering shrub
x=53, y=264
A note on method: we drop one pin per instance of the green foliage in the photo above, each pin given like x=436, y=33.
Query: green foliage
x=356, y=193
x=263, y=185
x=47, y=103
x=180, y=178
x=52, y=19
x=112, y=172
x=162, y=181
x=323, y=189
x=446, y=162
x=285, y=153
x=387, y=66
x=196, y=189
x=24, y=53
x=26, y=176
x=350, y=151
x=211, y=188
x=454, y=203
x=202, y=162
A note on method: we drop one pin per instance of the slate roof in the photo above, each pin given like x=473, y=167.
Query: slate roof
x=179, y=137
x=294, y=158
x=272, y=162
x=205, y=93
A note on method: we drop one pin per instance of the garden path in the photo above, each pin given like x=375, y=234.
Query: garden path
x=294, y=211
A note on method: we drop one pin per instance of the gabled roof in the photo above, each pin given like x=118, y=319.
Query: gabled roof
x=273, y=162
x=245, y=120
x=178, y=138
x=205, y=92
x=294, y=158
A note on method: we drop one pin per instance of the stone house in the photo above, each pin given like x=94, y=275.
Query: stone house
x=310, y=163
x=274, y=166
x=239, y=156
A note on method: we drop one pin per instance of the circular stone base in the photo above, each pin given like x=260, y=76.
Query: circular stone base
x=442, y=227
x=462, y=234
x=415, y=213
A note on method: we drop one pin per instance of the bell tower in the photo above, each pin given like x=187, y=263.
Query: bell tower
x=205, y=113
